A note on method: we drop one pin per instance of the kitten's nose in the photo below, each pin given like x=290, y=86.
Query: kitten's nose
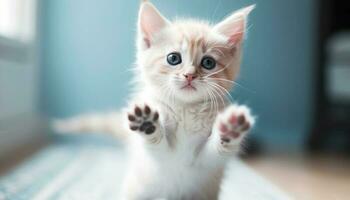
x=190, y=77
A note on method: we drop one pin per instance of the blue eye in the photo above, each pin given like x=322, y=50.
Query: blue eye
x=174, y=58
x=208, y=63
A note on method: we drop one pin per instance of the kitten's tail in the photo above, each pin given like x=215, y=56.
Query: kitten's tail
x=109, y=123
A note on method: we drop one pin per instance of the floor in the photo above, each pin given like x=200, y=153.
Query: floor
x=76, y=171
x=317, y=177
x=9, y=162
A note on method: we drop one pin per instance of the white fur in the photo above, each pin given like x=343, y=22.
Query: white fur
x=185, y=157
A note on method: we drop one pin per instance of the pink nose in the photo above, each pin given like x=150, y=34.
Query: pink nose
x=190, y=77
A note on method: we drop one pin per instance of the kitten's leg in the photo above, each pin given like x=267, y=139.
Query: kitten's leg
x=144, y=120
x=230, y=128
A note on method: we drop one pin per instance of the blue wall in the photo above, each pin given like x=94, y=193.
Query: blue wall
x=88, y=48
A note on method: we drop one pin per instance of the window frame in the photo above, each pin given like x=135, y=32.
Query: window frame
x=20, y=62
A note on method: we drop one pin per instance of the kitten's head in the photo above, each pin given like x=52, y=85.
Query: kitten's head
x=188, y=60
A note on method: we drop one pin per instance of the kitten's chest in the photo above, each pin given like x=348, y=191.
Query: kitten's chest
x=189, y=121
x=187, y=131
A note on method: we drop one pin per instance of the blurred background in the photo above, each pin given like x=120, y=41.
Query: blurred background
x=62, y=58
x=88, y=47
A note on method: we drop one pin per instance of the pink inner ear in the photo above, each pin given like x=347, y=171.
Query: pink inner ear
x=233, y=27
x=235, y=38
x=233, y=30
x=236, y=31
x=150, y=22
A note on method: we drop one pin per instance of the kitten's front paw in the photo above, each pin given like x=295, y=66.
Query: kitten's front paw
x=145, y=120
x=233, y=124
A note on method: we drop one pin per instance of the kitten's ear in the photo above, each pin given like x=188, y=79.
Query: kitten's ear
x=234, y=26
x=150, y=22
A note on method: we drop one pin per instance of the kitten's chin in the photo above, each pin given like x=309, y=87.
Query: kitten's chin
x=188, y=88
x=189, y=94
x=179, y=94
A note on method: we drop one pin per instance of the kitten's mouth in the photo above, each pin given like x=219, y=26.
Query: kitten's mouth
x=188, y=87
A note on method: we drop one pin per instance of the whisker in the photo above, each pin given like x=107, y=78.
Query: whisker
x=227, y=65
x=216, y=72
x=229, y=96
x=221, y=79
x=216, y=9
x=221, y=90
x=210, y=98
x=215, y=102
x=233, y=82
x=224, y=90
x=214, y=85
x=218, y=91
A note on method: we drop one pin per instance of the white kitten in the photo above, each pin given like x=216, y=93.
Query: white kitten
x=180, y=129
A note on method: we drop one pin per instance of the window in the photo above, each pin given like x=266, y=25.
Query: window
x=17, y=30
x=18, y=74
x=17, y=19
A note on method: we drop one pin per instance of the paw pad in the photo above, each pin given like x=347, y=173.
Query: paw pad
x=233, y=126
x=143, y=119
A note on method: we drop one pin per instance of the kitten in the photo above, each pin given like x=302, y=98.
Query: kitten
x=180, y=128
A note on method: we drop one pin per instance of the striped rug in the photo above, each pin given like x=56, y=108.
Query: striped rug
x=89, y=171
